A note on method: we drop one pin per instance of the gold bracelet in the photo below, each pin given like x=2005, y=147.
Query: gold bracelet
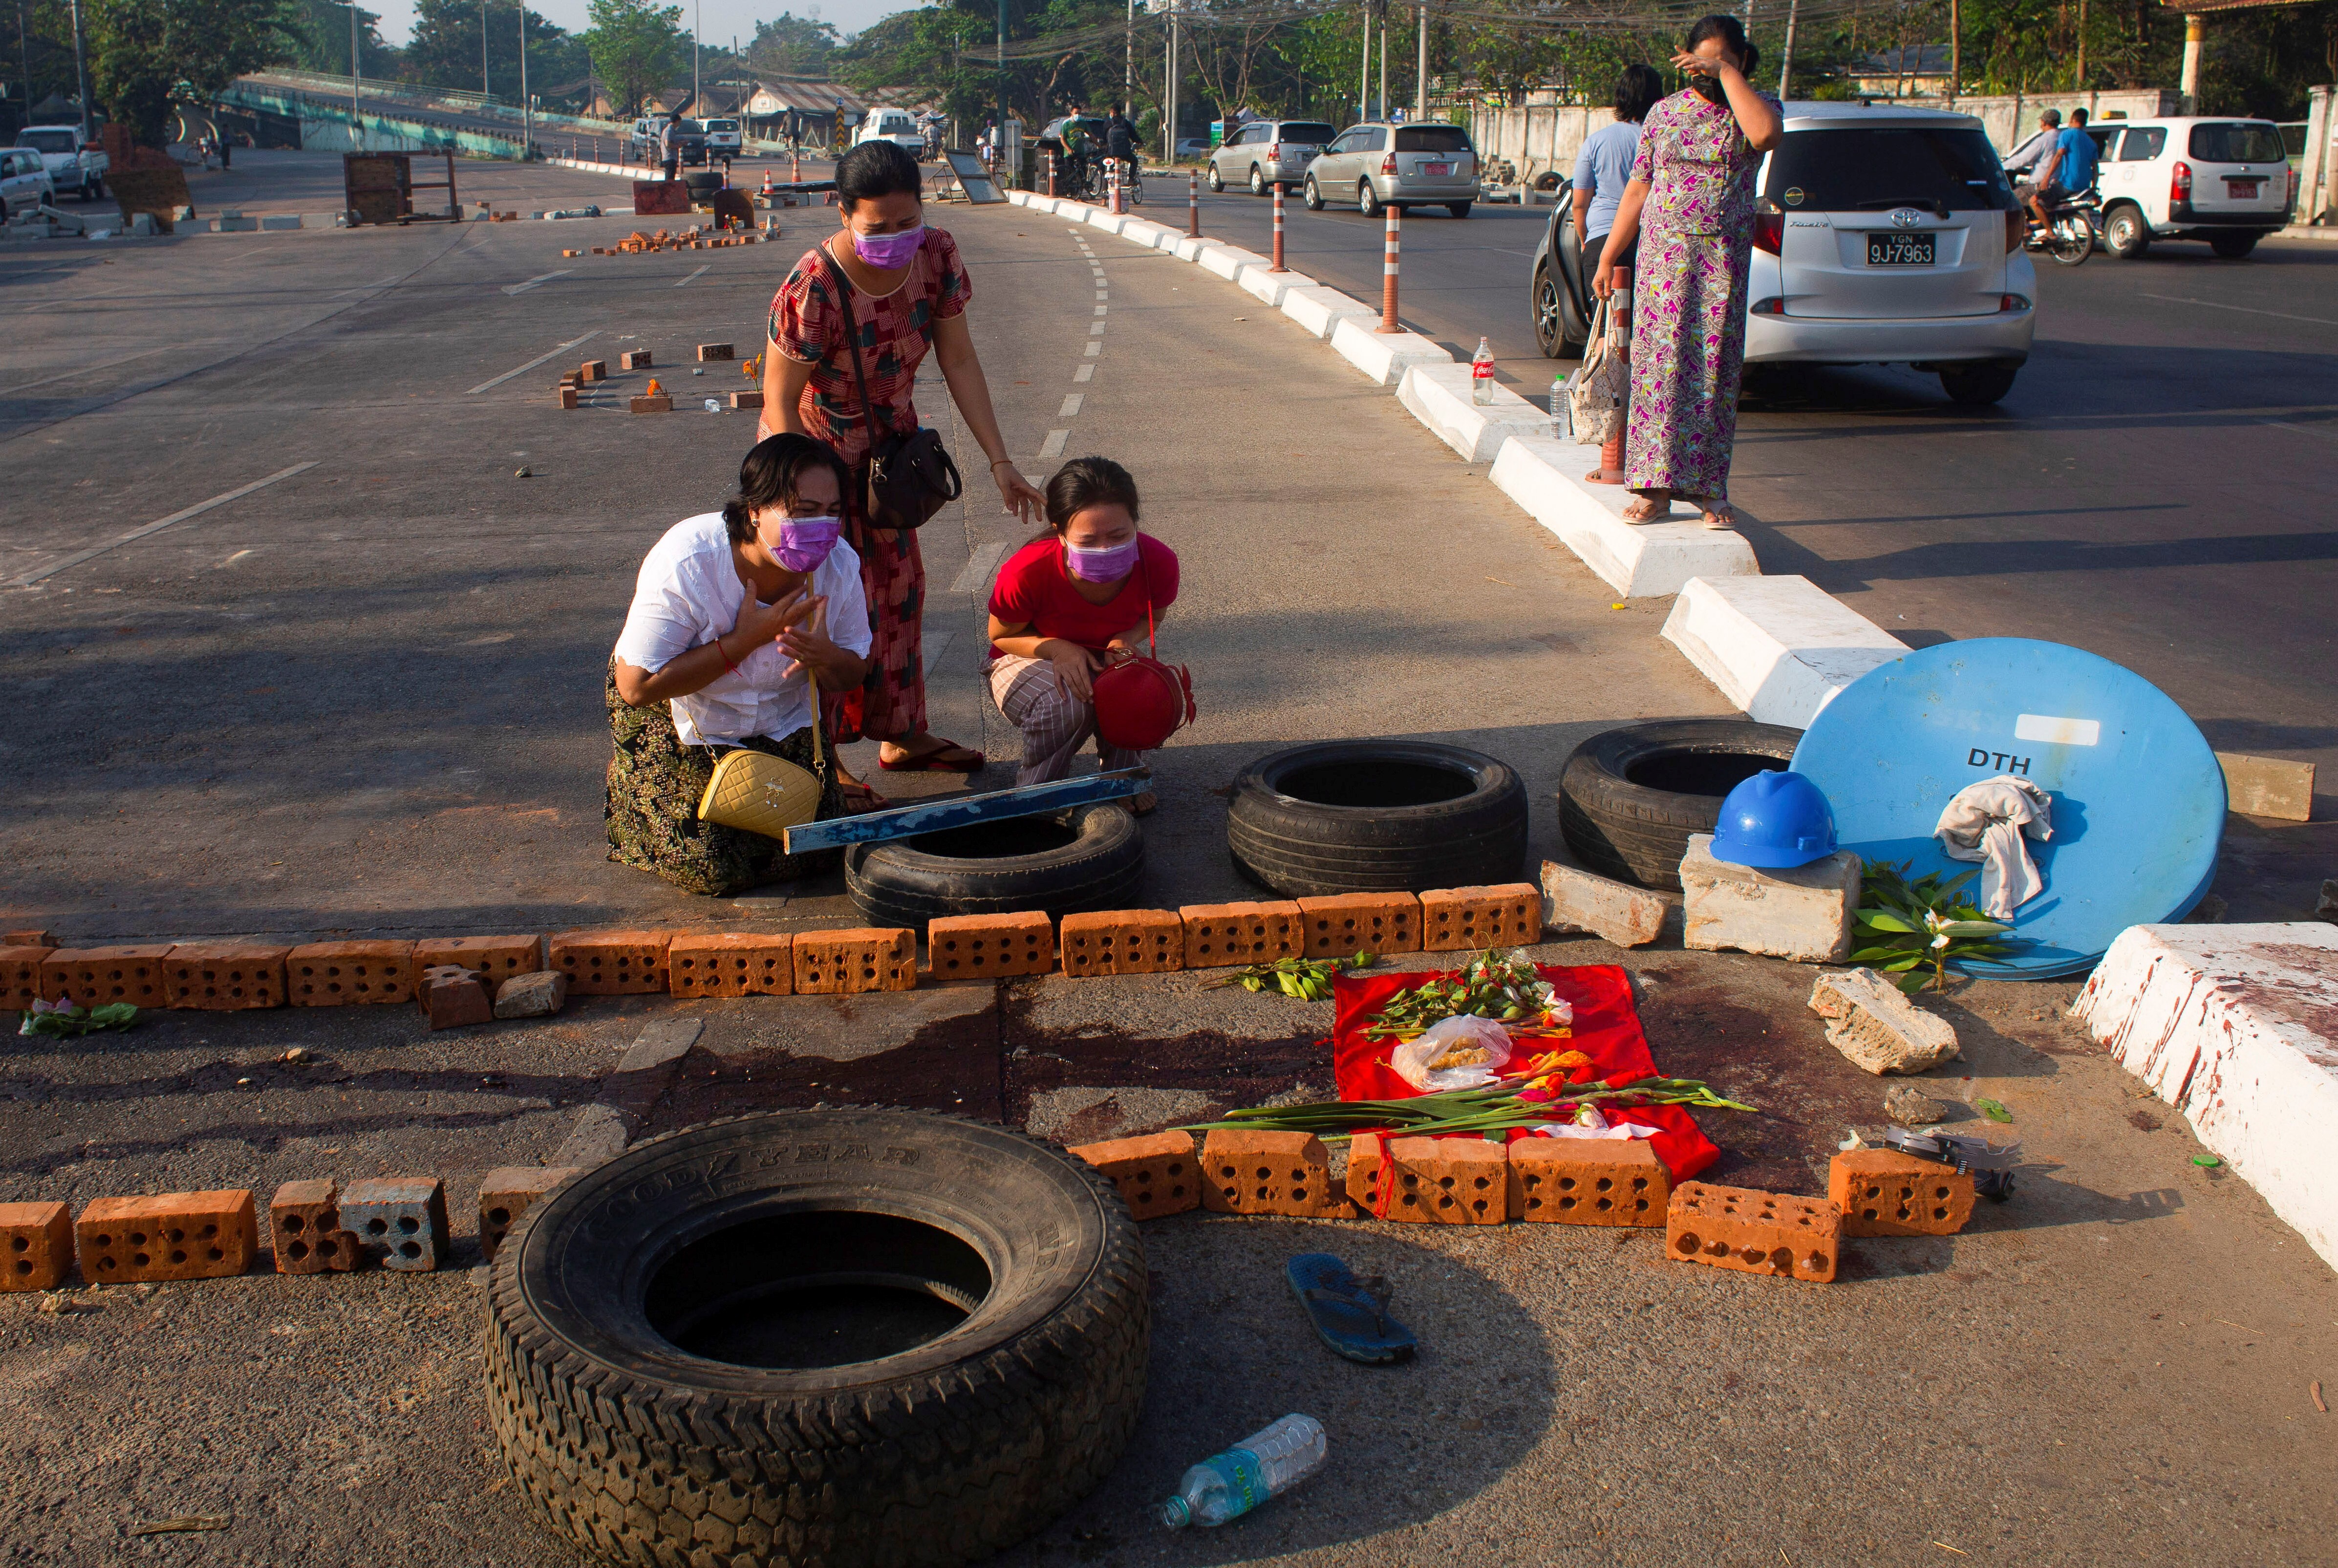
x=997, y=461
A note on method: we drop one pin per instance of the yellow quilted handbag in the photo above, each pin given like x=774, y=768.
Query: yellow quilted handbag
x=757, y=792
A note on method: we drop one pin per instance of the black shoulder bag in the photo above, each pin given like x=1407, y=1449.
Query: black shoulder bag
x=905, y=479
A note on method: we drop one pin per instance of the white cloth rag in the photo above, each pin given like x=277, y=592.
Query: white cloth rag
x=1987, y=822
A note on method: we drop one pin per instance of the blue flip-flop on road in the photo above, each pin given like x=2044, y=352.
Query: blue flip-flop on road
x=1349, y=1315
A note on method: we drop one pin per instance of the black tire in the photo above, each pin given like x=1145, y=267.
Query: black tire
x=1311, y=196
x=1458, y=209
x=1436, y=817
x=1976, y=385
x=1550, y=314
x=1216, y=182
x=1368, y=200
x=2232, y=247
x=2070, y=241
x=934, y=1450
x=1257, y=180
x=2126, y=234
x=1630, y=797
x=1089, y=858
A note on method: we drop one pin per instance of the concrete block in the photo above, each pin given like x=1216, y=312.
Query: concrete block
x=1429, y=1181
x=1884, y=1193
x=1779, y=648
x=1145, y=233
x=276, y=220
x=731, y=963
x=20, y=975
x=1754, y=1232
x=1439, y=395
x=223, y=977
x=636, y=359
x=747, y=399
x=2236, y=1027
x=593, y=370
x=1343, y=925
x=98, y=977
x=509, y=1191
x=1588, y=1181
x=1285, y=1173
x=339, y=973
x=37, y=1246
x=1218, y=934
x=1638, y=560
x=1110, y=222
x=710, y=352
x=1383, y=357
x=494, y=959
x=846, y=963
x=610, y=963
x=569, y=398
x=1804, y=913
x=1122, y=941
x=1319, y=310
x=1227, y=261
x=1574, y=899
x=984, y=946
x=1872, y=1021
x=1464, y=919
x=173, y=1235
x=661, y=404
x=2268, y=787
x=452, y=996
x=1157, y=1174
x=537, y=996
x=1269, y=285
x=400, y=1222
x=304, y=1230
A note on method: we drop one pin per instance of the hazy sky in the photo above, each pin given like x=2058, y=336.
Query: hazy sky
x=723, y=18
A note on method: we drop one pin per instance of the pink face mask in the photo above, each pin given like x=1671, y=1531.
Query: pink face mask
x=1108, y=564
x=804, y=542
x=889, y=251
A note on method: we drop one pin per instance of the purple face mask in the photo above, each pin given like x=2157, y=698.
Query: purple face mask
x=804, y=542
x=1108, y=564
x=889, y=251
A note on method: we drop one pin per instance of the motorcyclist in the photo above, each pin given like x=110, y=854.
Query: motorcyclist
x=1120, y=140
x=2068, y=171
x=2021, y=164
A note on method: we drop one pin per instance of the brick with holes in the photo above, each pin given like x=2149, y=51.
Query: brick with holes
x=100, y=977
x=1157, y=1174
x=610, y=963
x=304, y=1227
x=344, y=974
x=731, y=963
x=709, y=351
x=1432, y=1180
x=171, y=1236
x=509, y=1191
x=593, y=370
x=1884, y=1193
x=1346, y=924
x=223, y=977
x=37, y=1246
x=635, y=360
x=452, y=996
x=494, y=959
x=746, y=399
x=983, y=947
x=1753, y=1231
x=1462, y=919
x=850, y=962
x=1588, y=1181
x=20, y=975
x=1217, y=935
x=26, y=939
x=400, y=1221
x=1286, y=1173
x=1121, y=942
x=568, y=396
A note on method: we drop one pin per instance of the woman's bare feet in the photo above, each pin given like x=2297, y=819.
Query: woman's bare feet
x=1647, y=508
x=1143, y=805
x=1718, y=515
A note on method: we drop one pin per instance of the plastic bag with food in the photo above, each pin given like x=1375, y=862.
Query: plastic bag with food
x=1455, y=1054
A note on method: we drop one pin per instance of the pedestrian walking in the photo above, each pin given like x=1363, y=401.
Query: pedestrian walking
x=669, y=146
x=1692, y=190
x=909, y=296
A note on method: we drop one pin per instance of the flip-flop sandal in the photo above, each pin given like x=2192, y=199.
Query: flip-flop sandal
x=859, y=800
x=932, y=762
x=1349, y=1315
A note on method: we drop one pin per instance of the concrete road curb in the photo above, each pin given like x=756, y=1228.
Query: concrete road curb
x=2227, y=1025
x=1438, y=395
x=1383, y=357
x=1639, y=561
x=1227, y=261
x=1270, y=286
x=1778, y=648
x=1320, y=309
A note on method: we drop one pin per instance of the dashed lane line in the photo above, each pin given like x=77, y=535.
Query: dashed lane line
x=694, y=274
x=1053, y=446
x=86, y=369
x=532, y=364
x=1071, y=407
x=539, y=278
x=976, y=575
x=196, y=510
x=1084, y=373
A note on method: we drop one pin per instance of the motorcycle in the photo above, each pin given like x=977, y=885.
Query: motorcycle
x=2069, y=234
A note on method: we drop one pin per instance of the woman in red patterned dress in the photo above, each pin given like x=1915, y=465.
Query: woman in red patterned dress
x=910, y=294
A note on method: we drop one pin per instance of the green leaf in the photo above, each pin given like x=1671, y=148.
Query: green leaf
x=1911, y=984
x=1992, y=1110
x=1876, y=954
x=1972, y=927
x=1882, y=921
x=2206, y=1161
x=113, y=1015
x=1906, y=961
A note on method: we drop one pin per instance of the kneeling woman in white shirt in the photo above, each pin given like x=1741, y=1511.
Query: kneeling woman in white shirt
x=735, y=615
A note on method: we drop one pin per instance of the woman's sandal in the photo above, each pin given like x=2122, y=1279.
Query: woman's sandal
x=1648, y=509
x=859, y=800
x=1723, y=517
x=936, y=760
x=1143, y=805
x=1349, y=1315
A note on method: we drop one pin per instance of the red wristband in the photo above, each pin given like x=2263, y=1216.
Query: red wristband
x=725, y=657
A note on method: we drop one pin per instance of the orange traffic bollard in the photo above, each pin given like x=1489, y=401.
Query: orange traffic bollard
x=1388, y=278
x=1192, y=204
x=1278, y=266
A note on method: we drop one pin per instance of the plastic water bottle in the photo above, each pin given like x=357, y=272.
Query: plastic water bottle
x=1481, y=373
x=1562, y=413
x=714, y=405
x=1229, y=1485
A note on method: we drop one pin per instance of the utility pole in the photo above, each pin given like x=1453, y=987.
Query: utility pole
x=1128, y=68
x=24, y=56
x=1786, y=61
x=357, y=122
x=1384, y=65
x=697, y=27
x=1420, y=69
x=1957, y=49
x=484, y=90
x=1364, y=75
x=81, y=74
x=1169, y=94
x=1000, y=145
x=527, y=114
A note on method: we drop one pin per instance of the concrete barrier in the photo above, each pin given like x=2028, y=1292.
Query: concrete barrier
x=1319, y=310
x=1144, y=232
x=1438, y=395
x=1777, y=647
x=1271, y=286
x=1227, y=261
x=1184, y=249
x=1638, y=560
x=1384, y=357
x=1110, y=222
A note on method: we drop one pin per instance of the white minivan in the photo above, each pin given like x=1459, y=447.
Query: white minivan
x=2224, y=180
x=896, y=126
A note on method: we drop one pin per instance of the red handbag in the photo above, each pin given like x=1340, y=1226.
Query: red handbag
x=1140, y=701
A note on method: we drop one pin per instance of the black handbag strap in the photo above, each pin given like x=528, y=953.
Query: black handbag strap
x=852, y=344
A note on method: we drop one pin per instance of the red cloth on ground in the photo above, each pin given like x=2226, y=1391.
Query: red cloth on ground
x=1033, y=589
x=1607, y=1030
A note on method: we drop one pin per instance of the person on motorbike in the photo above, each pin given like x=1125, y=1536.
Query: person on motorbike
x=1120, y=140
x=2068, y=171
x=1078, y=156
x=2021, y=164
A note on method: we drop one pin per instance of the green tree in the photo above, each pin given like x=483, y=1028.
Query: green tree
x=322, y=42
x=444, y=51
x=637, y=46
x=144, y=53
x=792, y=46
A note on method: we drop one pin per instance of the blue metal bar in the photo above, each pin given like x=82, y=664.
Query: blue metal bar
x=966, y=810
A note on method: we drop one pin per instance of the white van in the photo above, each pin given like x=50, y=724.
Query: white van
x=2221, y=180
x=896, y=126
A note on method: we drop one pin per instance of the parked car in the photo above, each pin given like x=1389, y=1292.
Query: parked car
x=1265, y=154
x=895, y=125
x=25, y=182
x=1193, y=147
x=646, y=141
x=2227, y=182
x=1884, y=236
x=1382, y=164
x=73, y=162
x=722, y=139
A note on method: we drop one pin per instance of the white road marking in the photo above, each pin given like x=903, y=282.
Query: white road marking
x=69, y=375
x=1096, y=328
x=196, y=510
x=933, y=652
x=539, y=278
x=1094, y=347
x=1071, y=409
x=2244, y=309
x=1085, y=373
x=694, y=274
x=2303, y=429
x=532, y=364
x=1053, y=446
x=976, y=573
x=1100, y=309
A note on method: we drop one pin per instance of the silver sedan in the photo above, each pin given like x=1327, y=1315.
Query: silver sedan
x=1379, y=164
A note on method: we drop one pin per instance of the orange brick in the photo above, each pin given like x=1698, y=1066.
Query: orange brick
x=304, y=1230
x=707, y=352
x=1217, y=935
x=451, y=997
x=568, y=398
x=846, y=963
x=1156, y=1174
x=20, y=975
x=494, y=959
x=174, y=1236
x=26, y=939
x=1438, y=1181
x=1122, y=941
x=661, y=404
x=1347, y=924
x=1287, y=1173
x=610, y=963
x=635, y=360
x=1753, y=1231
x=340, y=973
x=1884, y=1193
x=980, y=946
x=746, y=399
x=593, y=370
x=36, y=1250
x=1457, y=919
x=223, y=977
x=95, y=976
x=1588, y=1181
x=511, y=1190
x=731, y=963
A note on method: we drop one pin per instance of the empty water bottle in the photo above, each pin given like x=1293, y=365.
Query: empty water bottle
x=714, y=405
x=1481, y=373
x=1229, y=1485
x=1562, y=415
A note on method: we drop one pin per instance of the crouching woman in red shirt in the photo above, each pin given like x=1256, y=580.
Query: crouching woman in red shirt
x=1065, y=605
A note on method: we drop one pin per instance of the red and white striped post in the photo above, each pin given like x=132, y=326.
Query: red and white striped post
x=1112, y=186
x=1388, y=277
x=1051, y=171
x=795, y=167
x=1278, y=266
x=1192, y=204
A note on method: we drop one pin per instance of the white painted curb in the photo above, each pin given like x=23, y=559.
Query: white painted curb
x=1384, y=357
x=1271, y=286
x=1144, y=232
x=1438, y=397
x=1638, y=560
x=1227, y=261
x=2225, y=1023
x=1110, y=222
x=1778, y=648
x=1319, y=310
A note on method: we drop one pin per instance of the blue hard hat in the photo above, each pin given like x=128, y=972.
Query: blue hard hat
x=1774, y=819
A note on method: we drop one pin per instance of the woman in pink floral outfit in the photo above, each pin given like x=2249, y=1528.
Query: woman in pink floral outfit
x=1692, y=189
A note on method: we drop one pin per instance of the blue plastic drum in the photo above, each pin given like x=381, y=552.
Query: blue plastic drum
x=2138, y=797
